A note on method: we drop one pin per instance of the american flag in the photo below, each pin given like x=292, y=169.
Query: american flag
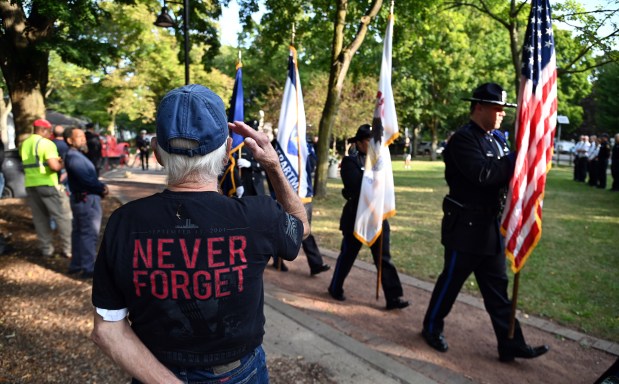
x=377, y=196
x=536, y=119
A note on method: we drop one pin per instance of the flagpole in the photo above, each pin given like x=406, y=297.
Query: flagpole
x=299, y=157
x=521, y=224
x=240, y=153
x=512, y=320
x=279, y=259
x=379, y=275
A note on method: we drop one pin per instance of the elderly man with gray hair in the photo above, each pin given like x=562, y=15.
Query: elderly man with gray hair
x=178, y=289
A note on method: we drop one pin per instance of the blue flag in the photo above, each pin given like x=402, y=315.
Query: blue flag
x=230, y=179
x=237, y=110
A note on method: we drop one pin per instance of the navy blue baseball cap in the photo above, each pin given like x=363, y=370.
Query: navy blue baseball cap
x=192, y=112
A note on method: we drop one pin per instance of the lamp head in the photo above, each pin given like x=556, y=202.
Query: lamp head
x=164, y=19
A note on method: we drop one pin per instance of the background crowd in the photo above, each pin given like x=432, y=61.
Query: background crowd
x=592, y=155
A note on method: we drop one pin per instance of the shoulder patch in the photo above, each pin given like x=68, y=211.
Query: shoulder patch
x=292, y=228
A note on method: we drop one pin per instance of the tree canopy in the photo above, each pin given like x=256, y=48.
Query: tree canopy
x=105, y=61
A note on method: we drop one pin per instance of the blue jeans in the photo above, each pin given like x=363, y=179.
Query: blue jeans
x=253, y=370
x=1, y=183
x=86, y=225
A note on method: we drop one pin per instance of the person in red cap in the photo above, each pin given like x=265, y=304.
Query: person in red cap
x=46, y=197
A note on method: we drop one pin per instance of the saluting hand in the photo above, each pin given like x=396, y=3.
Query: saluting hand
x=258, y=143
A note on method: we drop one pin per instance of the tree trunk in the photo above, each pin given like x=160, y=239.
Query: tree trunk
x=327, y=120
x=514, y=44
x=28, y=105
x=434, y=138
x=111, y=127
x=340, y=62
x=24, y=64
x=5, y=109
x=329, y=112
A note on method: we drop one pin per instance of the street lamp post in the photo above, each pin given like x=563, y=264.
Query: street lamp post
x=164, y=20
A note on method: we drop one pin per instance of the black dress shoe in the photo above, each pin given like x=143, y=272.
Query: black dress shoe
x=86, y=275
x=397, y=304
x=435, y=340
x=322, y=268
x=524, y=352
x=75, y=271
x=337, y=296
x=283, y=268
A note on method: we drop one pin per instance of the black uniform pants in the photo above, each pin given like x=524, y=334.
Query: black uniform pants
x=144, y=159
x=490, y=274
x=593, y=172
x=614, y=169
x=602, y=167
x=349, y=250
x=581, y=166
x=314, y=258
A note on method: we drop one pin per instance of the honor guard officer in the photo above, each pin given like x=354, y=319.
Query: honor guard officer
x=352, y=175
x=478, y=167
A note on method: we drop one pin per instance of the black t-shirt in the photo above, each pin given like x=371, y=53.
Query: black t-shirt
x=142, y=143
x=189, y=266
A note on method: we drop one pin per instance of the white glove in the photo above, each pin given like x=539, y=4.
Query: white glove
x=239, y=191
x=243, y=163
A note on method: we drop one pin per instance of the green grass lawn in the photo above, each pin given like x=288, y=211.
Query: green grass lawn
x=572, y=277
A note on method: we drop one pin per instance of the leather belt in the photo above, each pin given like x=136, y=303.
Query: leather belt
x=221, y=369
x=474, y=209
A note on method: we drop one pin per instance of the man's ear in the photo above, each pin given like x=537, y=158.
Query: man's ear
x=153, y=144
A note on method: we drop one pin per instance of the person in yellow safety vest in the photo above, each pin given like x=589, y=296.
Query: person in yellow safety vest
x=47, y=199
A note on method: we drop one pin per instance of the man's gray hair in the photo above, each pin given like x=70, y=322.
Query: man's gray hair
x=201, y=169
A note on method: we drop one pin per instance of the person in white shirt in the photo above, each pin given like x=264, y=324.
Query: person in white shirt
x=581, y=160
x=592, y=157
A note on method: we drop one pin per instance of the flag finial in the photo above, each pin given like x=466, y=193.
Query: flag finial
x=391, y=7
x=293, y=33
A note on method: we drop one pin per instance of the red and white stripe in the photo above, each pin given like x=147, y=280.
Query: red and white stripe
x=535, y=129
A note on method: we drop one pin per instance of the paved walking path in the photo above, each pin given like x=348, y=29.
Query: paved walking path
x=293, y=333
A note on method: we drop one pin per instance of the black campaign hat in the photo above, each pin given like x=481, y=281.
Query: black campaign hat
x=490, y=93
x=363, y=132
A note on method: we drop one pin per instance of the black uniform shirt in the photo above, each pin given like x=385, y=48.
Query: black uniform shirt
x=604, y=151
x=352, y=176
x=478, y=167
